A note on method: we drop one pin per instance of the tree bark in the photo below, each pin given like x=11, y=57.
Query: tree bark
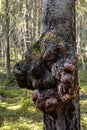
x=0, y=30
x=39, y=17
x=79, y=48
x=34, y=21
x=60, y=16
x=53, y=75
x=27, y=23
x=7, y=41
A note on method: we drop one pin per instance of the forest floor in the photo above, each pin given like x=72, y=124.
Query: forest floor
x=17, y=111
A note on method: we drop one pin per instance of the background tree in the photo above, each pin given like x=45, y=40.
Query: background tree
x=81, y=30
x=23, y=29
x=7, y=25
x=79, y=50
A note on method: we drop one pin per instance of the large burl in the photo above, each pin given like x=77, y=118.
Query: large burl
x=52, y=77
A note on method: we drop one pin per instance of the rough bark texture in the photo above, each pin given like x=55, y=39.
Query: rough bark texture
x=59, y=15
x=53, y=76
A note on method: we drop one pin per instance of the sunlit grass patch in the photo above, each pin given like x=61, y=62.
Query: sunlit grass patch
x=83, y=109
x=14, y=107
x=17, y=110
x=83, y=99
x=21, y=124
x=84, y=88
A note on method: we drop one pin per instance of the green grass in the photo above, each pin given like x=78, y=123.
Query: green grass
x=17, y=111
x=83, y=99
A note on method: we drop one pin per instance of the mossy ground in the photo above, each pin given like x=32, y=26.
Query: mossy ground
x=83, y=99
x=17, y=111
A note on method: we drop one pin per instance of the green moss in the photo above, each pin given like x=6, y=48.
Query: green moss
x=49, y=37
x=53, y=38
x=36, y=45
x=23, y=62
x=83, y=99
x=35, y=49
x=17, y=111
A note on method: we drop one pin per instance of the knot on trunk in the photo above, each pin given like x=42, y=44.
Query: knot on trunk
x=52, y=76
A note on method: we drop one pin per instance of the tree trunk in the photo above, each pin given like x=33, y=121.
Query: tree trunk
x=27, y=23
x=34, y=21
x=60, y=16
x=53, y=75
x=79, y=48
x=65, y=119
x=7, y=41
x=0, y=30
x=39, y=17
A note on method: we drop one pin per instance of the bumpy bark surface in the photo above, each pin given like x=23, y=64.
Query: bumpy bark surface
x=53, y=76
